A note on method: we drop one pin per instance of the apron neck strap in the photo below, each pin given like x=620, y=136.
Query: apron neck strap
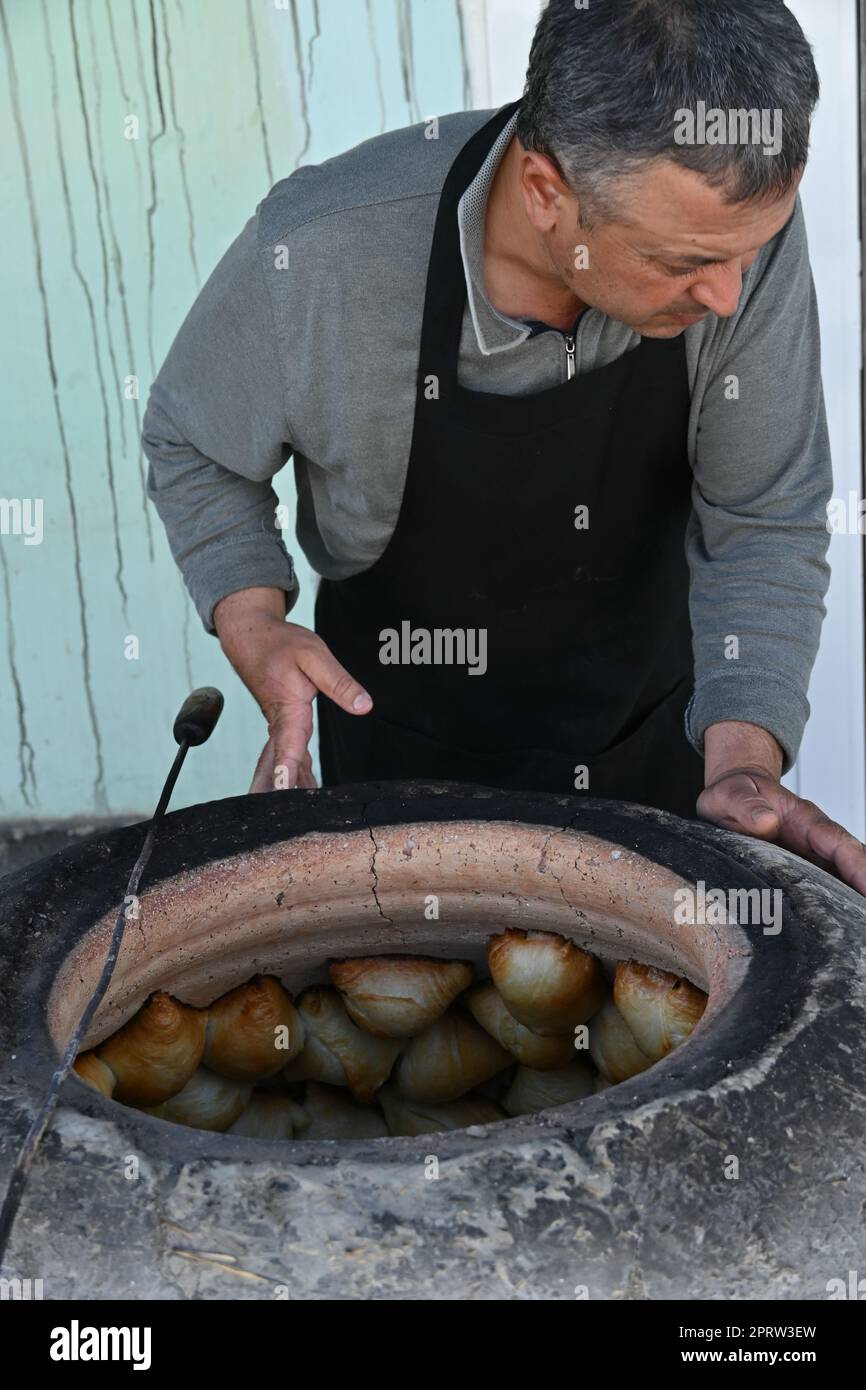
x=445, y=301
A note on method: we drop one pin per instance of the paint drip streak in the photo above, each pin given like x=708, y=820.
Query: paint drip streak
x=181, y=148
x=260, y=108
x=26, y=760
x=91, y=165
x=305, y=109
x=117, y=261
x=99, y=781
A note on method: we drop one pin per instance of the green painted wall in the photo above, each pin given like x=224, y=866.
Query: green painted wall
x=106, y=241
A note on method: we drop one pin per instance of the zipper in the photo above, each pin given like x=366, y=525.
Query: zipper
x=570, y=346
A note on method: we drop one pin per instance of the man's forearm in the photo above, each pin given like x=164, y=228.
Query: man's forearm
x=738, y=745
x=243, y=621
x=757, y=541
x=239, y=612
x=221, y=527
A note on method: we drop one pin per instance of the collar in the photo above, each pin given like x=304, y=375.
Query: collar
x=495, y=332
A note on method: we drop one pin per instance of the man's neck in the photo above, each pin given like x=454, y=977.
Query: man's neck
x=520, y=279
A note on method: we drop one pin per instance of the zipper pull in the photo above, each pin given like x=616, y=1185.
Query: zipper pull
x=570, y=346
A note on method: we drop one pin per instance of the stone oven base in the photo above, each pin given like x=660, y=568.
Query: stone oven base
x=733, y=1169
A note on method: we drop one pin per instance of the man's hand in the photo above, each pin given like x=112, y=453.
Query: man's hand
x=284, y=666
x=743, y=792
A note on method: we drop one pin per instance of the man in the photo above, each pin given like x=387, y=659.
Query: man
x=550, y=379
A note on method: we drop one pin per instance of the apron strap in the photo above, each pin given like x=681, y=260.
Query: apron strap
x=445, y=299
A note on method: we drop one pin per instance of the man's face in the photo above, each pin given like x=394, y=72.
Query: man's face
x=672, y=252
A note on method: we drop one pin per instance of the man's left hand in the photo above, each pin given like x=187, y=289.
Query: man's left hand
x=744, y=793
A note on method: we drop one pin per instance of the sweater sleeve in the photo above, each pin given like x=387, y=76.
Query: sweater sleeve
x=758, y=538
x=215, y=433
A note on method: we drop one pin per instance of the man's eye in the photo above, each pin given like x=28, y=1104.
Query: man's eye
x=674, y=270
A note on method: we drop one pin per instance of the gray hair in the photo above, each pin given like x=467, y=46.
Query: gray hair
x=605, y=85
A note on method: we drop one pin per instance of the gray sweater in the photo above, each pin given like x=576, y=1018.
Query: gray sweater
x=304, y=344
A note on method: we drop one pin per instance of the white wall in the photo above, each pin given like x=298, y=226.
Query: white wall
x=830, y=769
x=106, y=242
x=498, y=34
x=832, y=762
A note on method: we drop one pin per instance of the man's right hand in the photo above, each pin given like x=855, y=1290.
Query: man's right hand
x=284, y=666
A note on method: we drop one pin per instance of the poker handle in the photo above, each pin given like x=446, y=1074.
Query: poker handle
x=198, y=715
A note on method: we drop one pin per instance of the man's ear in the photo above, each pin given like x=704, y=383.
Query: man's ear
x=544, y=190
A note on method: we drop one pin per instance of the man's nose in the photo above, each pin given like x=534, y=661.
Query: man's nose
x=719, y=288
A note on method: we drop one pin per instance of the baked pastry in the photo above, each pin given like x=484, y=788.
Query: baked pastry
x=315, y=1063
x=91, y=1069
x=331, y=1114
x=496, y=1089
x=336, y=1051
x=207, y=1101
x=531, y=1091
x=246, y=1030
x=448, y=1059
x=269, y=1115
x=612, y=1046
x=548, y=984
x=488, y=1008
x=398, y=996
x=411, y=1117
x=661, y=1009
x=154, y=1055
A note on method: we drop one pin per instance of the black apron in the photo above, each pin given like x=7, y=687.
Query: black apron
x=588, y=640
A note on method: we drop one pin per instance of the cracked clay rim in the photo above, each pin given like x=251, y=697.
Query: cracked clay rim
x=518, y=848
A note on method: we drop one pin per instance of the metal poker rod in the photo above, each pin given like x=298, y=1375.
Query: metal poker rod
x=194, y=725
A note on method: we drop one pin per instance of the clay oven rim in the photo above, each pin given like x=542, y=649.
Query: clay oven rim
x=90, y=880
